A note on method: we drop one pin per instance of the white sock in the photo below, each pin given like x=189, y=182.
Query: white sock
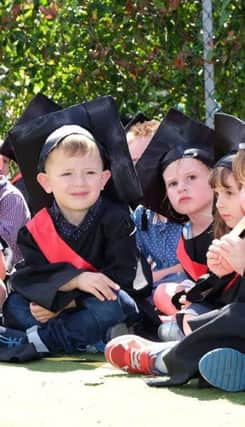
x=160, y=365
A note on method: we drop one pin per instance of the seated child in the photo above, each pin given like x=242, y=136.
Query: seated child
x=226, y=255
x=14, y=214
x=80, y=254
x=185, y=172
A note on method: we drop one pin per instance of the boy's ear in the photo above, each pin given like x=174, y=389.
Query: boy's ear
x=42, y=179
x=106, y=174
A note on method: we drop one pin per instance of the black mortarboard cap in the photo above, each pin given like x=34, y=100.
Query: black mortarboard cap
x=38, y=106
x=100, y=117
x=177, y=136
x=138, y=118
x=198, y=140
x=149, y=170
x=232, y=130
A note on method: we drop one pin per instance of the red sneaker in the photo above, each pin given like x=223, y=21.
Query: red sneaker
x=134, y=354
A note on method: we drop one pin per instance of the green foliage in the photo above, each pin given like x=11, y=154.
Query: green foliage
x=148, y=54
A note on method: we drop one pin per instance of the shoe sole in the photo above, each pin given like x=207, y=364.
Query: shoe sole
x=224, y=368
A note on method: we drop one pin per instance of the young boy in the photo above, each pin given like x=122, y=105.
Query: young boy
x=78, y=254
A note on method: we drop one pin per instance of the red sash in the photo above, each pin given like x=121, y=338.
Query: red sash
x=50, y=243
x=194, y=269
x=16, y=178
x=231, y=282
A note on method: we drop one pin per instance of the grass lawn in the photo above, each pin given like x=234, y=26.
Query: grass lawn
x=85, y=391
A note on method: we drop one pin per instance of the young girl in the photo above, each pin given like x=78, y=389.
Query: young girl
x=225, y=255
x=185, y=171
x=189, y=193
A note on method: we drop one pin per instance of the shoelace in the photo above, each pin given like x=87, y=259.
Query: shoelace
x=10, y=341
x=141, y=361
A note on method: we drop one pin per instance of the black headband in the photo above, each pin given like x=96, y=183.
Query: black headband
x=180, y=152
x=58, y=135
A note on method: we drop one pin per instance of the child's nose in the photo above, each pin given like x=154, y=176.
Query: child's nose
x=181, y=186
x=80, y=180
x=219, y=201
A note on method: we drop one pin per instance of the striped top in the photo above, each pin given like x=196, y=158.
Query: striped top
x=14, y=214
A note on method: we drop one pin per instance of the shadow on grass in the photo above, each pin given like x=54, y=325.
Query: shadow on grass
x=207, y=394
x=64, y=363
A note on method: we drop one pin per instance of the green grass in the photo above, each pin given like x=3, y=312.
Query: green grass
x=85, y=391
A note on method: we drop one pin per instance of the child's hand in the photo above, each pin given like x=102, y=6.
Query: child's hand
x=231, y=252
x=216, y=262
x=41, y=314
x=97, y=284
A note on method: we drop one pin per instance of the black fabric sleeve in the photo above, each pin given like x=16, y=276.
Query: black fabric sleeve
x=39, y=281
x=121, y=252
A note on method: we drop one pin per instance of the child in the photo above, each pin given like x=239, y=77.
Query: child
x=14, y=214
x=157, y=238
x=225, y=255
x=139, y=136
x=185, y=171
x=69, y=289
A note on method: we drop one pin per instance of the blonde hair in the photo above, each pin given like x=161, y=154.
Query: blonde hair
x=238, y=166
x=79, y=145
x=147, y=128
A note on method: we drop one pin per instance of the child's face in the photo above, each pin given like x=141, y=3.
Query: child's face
x=75, y=181
x=4, y=165
x=187, y=186
x=137, y=145
x=228, y=203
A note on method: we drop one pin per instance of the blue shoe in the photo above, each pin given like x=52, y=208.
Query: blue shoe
x=224, y=368
x=11, y=337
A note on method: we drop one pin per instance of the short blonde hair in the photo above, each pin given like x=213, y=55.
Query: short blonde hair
x=147, y=128
x=78, y=144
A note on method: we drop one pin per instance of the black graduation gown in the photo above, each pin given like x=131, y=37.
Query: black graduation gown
x=218, y=291
x=218, y=328
x=195, y=250
x=192, y=254
x=108, y=244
